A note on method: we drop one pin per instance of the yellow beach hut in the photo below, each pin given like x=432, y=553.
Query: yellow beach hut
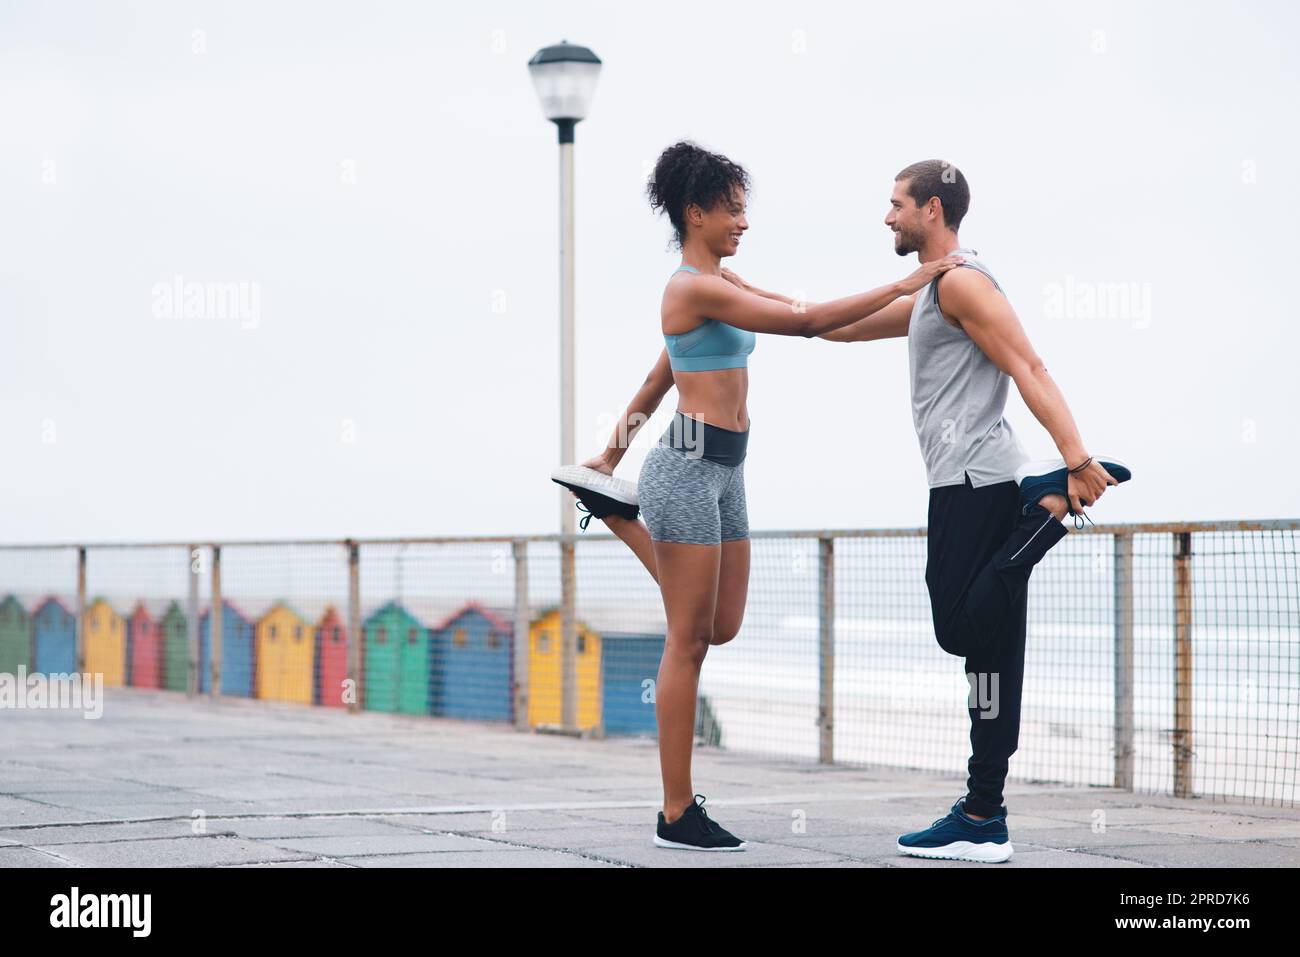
x=545, y=695
x=285, y=657
x=106, y=643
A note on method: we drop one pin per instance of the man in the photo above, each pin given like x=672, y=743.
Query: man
x=992, y=514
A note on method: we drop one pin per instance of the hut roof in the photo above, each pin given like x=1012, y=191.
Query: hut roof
x=47, y=600
x=500, y=619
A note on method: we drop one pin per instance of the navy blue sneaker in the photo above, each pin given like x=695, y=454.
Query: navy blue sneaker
x=696, y=831
x=598, y=494
x=959, y=838
x=1051, y=476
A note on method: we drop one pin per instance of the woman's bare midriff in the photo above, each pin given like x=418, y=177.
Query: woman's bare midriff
x=716, y=397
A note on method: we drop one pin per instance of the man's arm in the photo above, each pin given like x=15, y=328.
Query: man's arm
x=987, y=317
x=888, y=323
x=739, y=283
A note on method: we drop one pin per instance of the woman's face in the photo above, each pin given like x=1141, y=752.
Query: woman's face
x=722, y=226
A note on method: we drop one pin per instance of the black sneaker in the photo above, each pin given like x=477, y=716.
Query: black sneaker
x=599, y=494
x=695, y=831
x=1051, y=477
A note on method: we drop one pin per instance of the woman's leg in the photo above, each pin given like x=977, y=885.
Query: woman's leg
x=688, y=577
x=733, y=575
x=637, y=537
x=635, y=534
x=733, y=590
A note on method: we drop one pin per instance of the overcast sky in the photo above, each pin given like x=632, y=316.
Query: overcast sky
x=378, y=180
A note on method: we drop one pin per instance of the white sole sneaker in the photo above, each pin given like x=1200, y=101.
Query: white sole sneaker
x=1046, y=466
x=620, y=490
x=963, y=851
x=691, y=847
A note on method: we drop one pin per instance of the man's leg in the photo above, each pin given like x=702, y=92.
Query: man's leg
x=981, y=552
x=996, y=677
x=981, y=555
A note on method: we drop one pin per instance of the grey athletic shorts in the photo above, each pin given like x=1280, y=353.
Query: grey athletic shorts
x=692, y=484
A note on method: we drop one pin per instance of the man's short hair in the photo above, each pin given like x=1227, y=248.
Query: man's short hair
x=938, y=178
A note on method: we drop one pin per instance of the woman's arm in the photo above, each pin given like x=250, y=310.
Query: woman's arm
x=638, y=413
x=720, y=298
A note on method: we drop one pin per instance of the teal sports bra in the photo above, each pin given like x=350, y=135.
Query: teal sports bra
x=710, y=345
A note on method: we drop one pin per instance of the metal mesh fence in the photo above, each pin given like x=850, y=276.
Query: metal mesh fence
x=141, y=614
x=1245, y=659
x=438, y=629
x=38, y=608
x=281, y=606
x=899, y=698
x=1159, y=658
x=761, y=688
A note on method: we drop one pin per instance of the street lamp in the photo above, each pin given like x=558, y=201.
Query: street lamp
x=564, y=76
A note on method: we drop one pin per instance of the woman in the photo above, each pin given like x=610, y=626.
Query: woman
x=691, y=489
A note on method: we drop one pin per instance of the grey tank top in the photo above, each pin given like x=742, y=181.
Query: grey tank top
x=958, y=396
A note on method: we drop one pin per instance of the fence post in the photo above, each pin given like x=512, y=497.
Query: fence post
x=568, y=638
x=355, y=677
x=214, y=628
x=1182, y=664
x=81, y=610
x=1123, y=572
x=522, y=637
x=195, y=566
x=826, y=636
x=597, y=648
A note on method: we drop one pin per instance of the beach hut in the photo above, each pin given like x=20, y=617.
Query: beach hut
x=285, y=656
x=55, y=632
x=143, y=649
x=331, y=659
x=545, y=697
x=15, y=636
x=630, y=668
x=106, y=643
x=237, y=652
x=174, y=635
x=397, y=662
x=473, y=665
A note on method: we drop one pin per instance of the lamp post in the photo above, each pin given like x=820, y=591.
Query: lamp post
x=564, y=76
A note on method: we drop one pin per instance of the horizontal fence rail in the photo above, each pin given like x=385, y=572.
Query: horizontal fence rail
x=1161, y=658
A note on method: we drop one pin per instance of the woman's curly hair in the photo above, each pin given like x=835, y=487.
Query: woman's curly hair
x=686, y=173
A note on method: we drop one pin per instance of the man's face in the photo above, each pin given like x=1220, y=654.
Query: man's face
x=905, y=219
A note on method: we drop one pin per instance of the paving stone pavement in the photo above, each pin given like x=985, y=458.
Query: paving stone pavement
x=164, y=781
